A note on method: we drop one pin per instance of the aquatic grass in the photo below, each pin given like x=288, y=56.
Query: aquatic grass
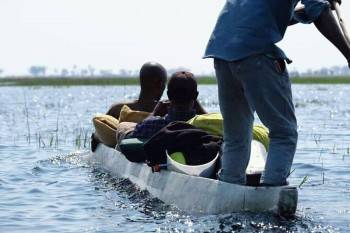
x=305, y=179
x=334, y=149
x=291, y=172
x=57, y=124
x=317, y=138
x=39, y=141
x=347, y=154
x=26, y=112
x=86, y=139
x=79, y=136
x=51, y=141
x=82, y=138
x=323, y=173
x=123, y=81
x=78, y=141
x=320, y=156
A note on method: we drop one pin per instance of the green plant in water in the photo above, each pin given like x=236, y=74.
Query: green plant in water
x=85, y=138
x=51, y=141
x=27, y=117
x=303, y=181
x=317, y=139
x=78, y=141
x=290, y=173
x=41, y=142
x=323, y=175
x=334, y=149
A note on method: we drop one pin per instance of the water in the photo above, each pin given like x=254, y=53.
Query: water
x=45, y=186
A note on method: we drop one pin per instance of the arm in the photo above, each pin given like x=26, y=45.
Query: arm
x=328, y=26
x=301, y=15
x=161, y=109
x=199, y=108
x=114, y=110
x=298, y=12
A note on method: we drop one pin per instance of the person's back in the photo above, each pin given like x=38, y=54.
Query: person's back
x=247, y=27
x=182, y=93
x=152, y=82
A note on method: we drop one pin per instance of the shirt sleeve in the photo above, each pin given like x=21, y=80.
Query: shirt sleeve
x=313, y=9
x=148, y=127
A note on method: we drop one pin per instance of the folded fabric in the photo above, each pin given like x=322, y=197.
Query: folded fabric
x=213, y=124
x=133, y=150
x=261, y=134
x=197, y=145
x=123, y=130
x=128, y=115
x=105, y=127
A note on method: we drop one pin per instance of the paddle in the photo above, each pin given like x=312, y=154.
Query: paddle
x=342, y=22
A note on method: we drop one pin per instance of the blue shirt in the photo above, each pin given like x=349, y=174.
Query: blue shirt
x=152, y=124
x=249, y=27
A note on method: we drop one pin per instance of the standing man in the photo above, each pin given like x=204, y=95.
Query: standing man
x=252, y=76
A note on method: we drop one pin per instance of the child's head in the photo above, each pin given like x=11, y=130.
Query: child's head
x=182, y=88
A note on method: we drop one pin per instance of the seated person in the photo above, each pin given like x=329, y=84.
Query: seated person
x=152, y=81
x=153, y=77
x=182, y=93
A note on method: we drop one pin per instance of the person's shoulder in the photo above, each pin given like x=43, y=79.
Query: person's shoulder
x=151, y=119
x=114, y=110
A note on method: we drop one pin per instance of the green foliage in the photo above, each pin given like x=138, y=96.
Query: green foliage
x=74, y=81
x=305, y=179
x=113, y=81
x=321, y=80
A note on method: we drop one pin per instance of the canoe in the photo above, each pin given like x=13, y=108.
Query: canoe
x=197, y=195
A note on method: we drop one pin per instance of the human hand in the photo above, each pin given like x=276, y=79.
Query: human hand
x=334, y=1
x=161, y=109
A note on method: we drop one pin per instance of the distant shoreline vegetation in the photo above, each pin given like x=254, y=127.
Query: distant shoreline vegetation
x=110, y=81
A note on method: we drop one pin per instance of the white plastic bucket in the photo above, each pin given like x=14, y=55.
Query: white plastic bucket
x=256, y=163
x=204, y=170
x=257, y=158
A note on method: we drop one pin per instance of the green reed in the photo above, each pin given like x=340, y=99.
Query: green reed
x=305, y=179
x=26, y=113
x=116, y=80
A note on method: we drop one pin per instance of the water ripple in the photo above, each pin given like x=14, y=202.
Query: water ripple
x=46, y=188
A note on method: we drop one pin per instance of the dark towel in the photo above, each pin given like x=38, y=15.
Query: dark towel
x=197, y=145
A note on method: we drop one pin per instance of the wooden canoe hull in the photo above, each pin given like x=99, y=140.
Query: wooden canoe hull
x=197, y=195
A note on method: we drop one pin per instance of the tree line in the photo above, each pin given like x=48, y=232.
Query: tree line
x=90, y=71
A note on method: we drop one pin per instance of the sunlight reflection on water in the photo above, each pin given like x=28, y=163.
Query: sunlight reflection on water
x=46, y=188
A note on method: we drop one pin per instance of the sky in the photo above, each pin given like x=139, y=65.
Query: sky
x=123, y=34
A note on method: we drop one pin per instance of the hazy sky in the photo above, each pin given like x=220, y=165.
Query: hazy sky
x=119, y=34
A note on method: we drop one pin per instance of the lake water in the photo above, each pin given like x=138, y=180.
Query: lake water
x=45, y=186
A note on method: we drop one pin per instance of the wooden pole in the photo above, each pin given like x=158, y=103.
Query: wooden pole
x=342, y=22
